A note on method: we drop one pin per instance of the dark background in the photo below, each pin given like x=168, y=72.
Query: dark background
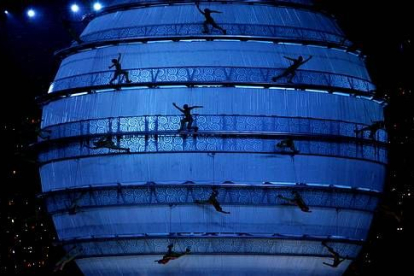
x=383, y=30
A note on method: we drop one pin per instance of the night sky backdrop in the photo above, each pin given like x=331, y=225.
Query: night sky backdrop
x=381, y=29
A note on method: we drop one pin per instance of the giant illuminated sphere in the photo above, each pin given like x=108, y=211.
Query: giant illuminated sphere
x=119, y=203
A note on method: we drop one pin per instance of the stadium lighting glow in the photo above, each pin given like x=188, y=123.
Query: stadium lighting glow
x=97, y=6
x=31, y=13
x=74, y=8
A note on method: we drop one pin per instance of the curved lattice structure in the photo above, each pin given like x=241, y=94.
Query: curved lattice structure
x=294, y=156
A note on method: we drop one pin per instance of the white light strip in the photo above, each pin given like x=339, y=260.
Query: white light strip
x=78, y=94
x=231, y=40
x=277, y=88
x=290, y=43
x=318, y=46
x=173, y=86
x=249, y=86
x=261, y=41
x=208, y=86
x=159, y=41
x=50, y=90
x=341, y=94
x=104, y=90
x=317, y=91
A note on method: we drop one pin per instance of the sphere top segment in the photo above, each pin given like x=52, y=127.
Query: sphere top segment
x=113, y=3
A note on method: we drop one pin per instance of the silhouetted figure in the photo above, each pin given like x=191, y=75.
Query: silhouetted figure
x=353, y=47
x=209, y=20
x=291, y=70
x=43, y=133
x=66, y=24
x=118, y=70
x=74, y=207
x=287, y=143
x=86, y=18
x=70, y=256
x=337, y=259
x=171, y=255
x=188, y=118
x=106, y=142
x=213, y=201
x=373, y=128
x=297, y=200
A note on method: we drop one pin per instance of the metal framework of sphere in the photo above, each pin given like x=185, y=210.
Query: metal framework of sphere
x=119, y=203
